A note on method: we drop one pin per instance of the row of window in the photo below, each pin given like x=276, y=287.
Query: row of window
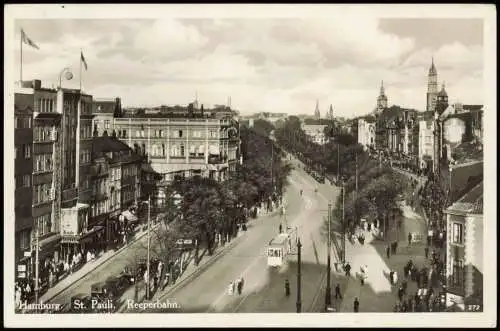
x=43, y=162
x=24, y=239
x=44, y=133
x=46, y=105
x=98, y=208
x=85, y=156
x=175, y=134
x=99, y=186
x=44, y=223
x=115, y=173
x=42, y=193
x=129, y=171
x=85, y=131
x=25, y=149
x=23, y=181
x=22, y=122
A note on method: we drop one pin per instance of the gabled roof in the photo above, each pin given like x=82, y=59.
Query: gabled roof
x=471, y=202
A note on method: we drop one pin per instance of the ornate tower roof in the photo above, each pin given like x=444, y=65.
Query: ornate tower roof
x=382, y=90
x=432, y=69
x=330, y=112
x=316, y=111
x=442, y=93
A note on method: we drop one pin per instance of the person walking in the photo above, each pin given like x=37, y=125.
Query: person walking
x=426, y=249
x=388, y=252
x=338, y=295
x=348, y=270
x=409, y=239
x=287, y=288
x=239, y=285
x=356, y=305
x=281, y=228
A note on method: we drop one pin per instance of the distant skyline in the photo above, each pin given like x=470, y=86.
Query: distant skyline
x=265, y=65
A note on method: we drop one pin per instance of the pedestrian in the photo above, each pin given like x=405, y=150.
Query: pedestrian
x=230, y=289
x=400, y=293
x=239, y=285
x=388, y=252
x=337, y=292
x=356, y=305
x=426, y=249
x=281, y=228
x=287, y=288
x=348, y=270
x=395, y=277
x=395, y=247
x=391, y=277
x=409, y=238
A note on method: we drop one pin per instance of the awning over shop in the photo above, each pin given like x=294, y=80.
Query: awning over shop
x=129, y=216
x=79, y=238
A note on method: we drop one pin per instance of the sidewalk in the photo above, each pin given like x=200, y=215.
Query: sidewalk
x=190, y=271
x=88, y=268
x=377, y=294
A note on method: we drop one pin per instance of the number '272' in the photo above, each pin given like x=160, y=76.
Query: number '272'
x=474, y=308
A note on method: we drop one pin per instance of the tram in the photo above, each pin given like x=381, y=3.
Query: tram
x=278, y=250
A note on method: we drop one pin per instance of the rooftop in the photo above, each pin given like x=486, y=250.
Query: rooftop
x=471, y=202
x=120, y=150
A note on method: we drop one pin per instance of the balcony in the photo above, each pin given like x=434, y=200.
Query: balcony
x=217, y=159
x=69, y=194
x=98, y=170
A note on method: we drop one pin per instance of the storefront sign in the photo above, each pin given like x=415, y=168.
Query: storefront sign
x=27, y=254
x=69, y=222
x=21, y=267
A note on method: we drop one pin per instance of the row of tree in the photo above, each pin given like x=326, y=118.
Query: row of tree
x=379, y=188
x=207, y=210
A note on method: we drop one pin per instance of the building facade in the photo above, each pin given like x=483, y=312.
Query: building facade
x=315, y=132
x=432, y=87
x=366, y=133
x=182, y=147
x=104, y=111
x=425, y=142
x=464, y=249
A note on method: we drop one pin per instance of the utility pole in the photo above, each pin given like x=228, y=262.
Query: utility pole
x=356, y=172
x=149, y=244
x=299, y=302
x=328, y=294
x=338, y=162
x=37, y=247
x=343, y=223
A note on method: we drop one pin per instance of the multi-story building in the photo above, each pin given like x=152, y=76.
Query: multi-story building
x=366, y=132
x=180, y=147
x=37, y=119
x=23, y=169
x=115, y=180
x=432, y=87
x=464, y=249
x=104, y=111
x=426, y=140
x=315, y=132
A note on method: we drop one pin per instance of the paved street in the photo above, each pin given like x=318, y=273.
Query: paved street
x=113, y=266
x=264, y=288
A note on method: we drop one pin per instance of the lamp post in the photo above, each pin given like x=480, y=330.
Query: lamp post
x=328, y=294
x=37, y=262
x=67, y=74
x=149, y=244
x=343, y=222
x=299, y=302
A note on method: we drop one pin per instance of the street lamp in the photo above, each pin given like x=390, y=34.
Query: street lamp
x=328, y=294
x=149, y=244
x=67, y=74
x=299, y=302
x=343, y=221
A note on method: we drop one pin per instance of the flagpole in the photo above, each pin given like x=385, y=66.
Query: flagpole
x=21, y=66
x=81, y=52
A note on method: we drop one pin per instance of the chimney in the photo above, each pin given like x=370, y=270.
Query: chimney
x=37, y=84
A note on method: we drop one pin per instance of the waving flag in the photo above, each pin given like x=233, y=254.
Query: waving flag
x=26, y=40
x=82, y=58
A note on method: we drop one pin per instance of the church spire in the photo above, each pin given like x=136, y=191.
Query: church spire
x=317, y=115
x=432, y=69
x=382, y=90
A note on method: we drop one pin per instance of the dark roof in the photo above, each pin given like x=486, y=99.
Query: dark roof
x=104, y=107
x=23, y=102
x=472, y=107
x=463, y=178
x=470, y=202
x=121, y=151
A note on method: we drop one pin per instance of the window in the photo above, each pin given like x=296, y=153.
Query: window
x=174, y=151
x=161, y=134
x=124, y=133
x=201, y=151
x=24, y=239
x=182, y=150
x=179, y=134
x=23, y=181
x=163, y=148
x=458, y=273
x=457, y=233
x=137, y=134
x=27, y=151
x=106, y=125
x=192, y=151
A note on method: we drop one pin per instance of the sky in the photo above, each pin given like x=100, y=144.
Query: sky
x=274, y=65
